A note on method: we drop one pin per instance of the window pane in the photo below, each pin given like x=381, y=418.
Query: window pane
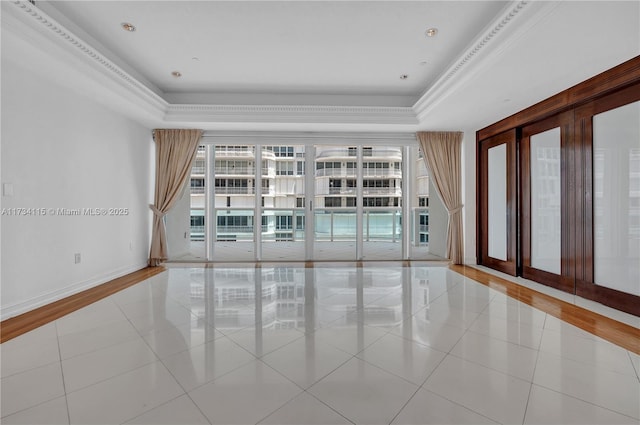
x=284, y=206
x=545, y=201
x=234, y=200
x=616, y=198
x=497, y=191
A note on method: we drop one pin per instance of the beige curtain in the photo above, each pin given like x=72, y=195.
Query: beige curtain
x=442, y=153
x=175, y=152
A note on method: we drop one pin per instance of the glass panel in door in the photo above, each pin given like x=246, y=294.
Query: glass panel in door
x=382, y=203
x=334, y=206
x=419, y=239
x=546, y=236
x=283, y=202
x=497, y=202
x=616, y=198
x=234, y=203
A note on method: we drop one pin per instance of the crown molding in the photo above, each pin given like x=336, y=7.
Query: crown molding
x=515, y=20
x=292, y=114
x=44, y=26
x=309, y=137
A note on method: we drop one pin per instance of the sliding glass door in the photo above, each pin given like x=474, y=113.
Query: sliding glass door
x=382, y=199
x=282, y=200
x=283, y=203
x=335, y=210
x=235, y=184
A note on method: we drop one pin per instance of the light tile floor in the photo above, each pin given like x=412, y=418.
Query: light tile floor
x=294, y=345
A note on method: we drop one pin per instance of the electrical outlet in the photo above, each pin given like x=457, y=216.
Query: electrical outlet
x=77, y=258
x=7, y=189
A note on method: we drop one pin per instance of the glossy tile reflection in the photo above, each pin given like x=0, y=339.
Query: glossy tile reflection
x=323, y=345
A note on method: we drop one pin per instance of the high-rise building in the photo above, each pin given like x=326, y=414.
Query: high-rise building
x=335, y=177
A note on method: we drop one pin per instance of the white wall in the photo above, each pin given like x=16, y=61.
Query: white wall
x=469, y=195
x=61, y=149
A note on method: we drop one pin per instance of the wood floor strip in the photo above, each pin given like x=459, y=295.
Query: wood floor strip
x=618, y=333
x=33, y=319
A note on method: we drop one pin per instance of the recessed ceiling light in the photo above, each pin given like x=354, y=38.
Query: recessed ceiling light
x=404, y=76
x=128, y=27
x=176, y=74
x=431, y=32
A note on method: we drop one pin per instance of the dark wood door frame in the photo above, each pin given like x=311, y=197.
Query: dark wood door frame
x=563, y=281
x=585, y=281
x=572, y=110
x=508, y=138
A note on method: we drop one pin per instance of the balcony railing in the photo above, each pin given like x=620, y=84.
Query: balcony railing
x=388, y=191
x=242, y=153
x=379, y=224
x=381, y=172
x=197, y=233
x=387, y=153
x=234, y=152
x=234, y=229
x=243, y=191
x=341, y=191
x=240, y=171
x=197, y=190
x=382, y=191
x=235, y=190
x=351, y=172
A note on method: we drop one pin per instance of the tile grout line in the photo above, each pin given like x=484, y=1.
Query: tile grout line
x=633, y=365
x=607, y=329
x=586, y=402
x=302, y=390
x=64, y=385
x=535, y=366
x=407, y=402
x=163, y=365
x=421, y=386
x=48, y=400
x=461, y=405
x=321, y=401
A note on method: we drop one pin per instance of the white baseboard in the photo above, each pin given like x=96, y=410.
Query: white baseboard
x=7, y=312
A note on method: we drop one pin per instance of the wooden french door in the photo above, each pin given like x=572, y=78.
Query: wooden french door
x=546, y=199
x=497, y=192
x=608, y=213
x=577, y=197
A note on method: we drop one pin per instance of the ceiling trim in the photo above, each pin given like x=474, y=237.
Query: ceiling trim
x=48, y=27
x=310, y=138
x=292, y=113
x=51, y=29
x=516, y=19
